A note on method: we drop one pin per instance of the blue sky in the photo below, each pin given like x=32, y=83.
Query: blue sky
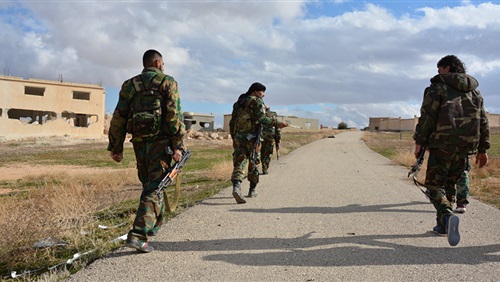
x=331, y=60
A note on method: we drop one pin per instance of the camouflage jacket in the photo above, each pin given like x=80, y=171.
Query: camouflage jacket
x=249, y=112
x=269, y=132
x=172, y=118
x=452, y=115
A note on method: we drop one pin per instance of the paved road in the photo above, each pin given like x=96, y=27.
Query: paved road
x=329, y=211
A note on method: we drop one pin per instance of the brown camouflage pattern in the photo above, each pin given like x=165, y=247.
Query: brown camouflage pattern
x=453, y=115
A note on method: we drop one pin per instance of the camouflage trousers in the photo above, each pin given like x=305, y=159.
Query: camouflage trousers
x=266, y=152
x=444, y=168
x=241, y=155
x=463, y=185
x=151, y=158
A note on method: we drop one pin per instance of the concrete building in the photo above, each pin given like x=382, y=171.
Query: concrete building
x=41, y=108
x=199, y=122
x=302, y=123
x=392, y=124
x=399, y=124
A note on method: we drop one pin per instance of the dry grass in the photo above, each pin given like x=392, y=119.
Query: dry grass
x=484, y=182
x=220, y=171
x=64, y=209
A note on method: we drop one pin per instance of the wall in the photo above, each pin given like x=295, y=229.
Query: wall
x=399, y=124
x=199, y=122
x=40, y=108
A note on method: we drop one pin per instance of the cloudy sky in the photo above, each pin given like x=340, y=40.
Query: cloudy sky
x=343, y=60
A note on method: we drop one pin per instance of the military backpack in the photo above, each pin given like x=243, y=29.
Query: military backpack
x=146, y=108
x=243, y=121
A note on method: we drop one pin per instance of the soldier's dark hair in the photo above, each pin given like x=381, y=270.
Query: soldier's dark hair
x=149, y=57
x=256, y=86
x=453, y=62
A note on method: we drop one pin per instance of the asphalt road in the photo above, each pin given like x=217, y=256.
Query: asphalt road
x=332, y=210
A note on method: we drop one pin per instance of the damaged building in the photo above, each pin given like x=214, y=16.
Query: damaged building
x=34, y=107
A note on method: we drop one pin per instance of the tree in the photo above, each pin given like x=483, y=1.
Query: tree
x=342, y=125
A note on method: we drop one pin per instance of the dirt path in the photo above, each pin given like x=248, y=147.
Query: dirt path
x=330, y=211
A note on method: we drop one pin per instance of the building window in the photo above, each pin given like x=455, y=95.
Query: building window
x=79, y=120
x=37, y=91
x=78, y=95
x=31, y=116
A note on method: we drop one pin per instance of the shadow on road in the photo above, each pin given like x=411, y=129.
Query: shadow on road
x=354, y=208
x=336, y=251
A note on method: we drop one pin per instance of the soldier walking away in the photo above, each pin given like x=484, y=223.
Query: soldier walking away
x=452, y=125
x=270, y=134
x=149, y=108
x=247, y=118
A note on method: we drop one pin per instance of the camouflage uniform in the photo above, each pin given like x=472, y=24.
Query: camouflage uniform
x=249, y=112
x=453, y=125
x=462, y=187
x=150, y=149
x=269, y=134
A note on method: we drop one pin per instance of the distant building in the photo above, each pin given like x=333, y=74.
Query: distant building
x=392, y=124
x=41, y=108
x=399, y=124
x=199, y=122
x=493, y=119
x=302, y=123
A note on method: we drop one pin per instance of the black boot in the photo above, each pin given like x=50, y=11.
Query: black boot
x=251, y=192
x=237, y=192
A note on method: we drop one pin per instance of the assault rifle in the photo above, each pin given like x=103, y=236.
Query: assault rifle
x=172, y=172
x=415, y=169
x=277, y=143
x=255, y=153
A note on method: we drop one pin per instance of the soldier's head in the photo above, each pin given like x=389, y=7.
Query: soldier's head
x=153, y=58
x=257, y=89
x=449, y=64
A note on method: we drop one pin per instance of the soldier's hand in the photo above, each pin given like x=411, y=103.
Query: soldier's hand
x=481, y=159
x=177, y=155
x=282, y=124
x=417, y=150
x=117, y=157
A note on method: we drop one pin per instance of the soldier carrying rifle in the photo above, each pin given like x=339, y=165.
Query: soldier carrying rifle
x=270, y=134
x=249, y=114
x=149, y=108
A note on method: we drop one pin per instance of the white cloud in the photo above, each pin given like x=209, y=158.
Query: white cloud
x=361, y=60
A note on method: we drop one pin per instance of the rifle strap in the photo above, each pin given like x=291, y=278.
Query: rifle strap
x=428, y=187
x=171, y=207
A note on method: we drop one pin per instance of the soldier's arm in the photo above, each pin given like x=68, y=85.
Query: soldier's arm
x=428, y=115
x=259, y=111
x=484, y=130
x=174, y=118
x=118, y=124
x=232, y=121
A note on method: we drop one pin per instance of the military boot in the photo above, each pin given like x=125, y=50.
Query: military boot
x=251, y=192
x=237, y=192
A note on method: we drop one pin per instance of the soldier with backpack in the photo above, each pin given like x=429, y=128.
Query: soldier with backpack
x=149, y=108
x=247, y=118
